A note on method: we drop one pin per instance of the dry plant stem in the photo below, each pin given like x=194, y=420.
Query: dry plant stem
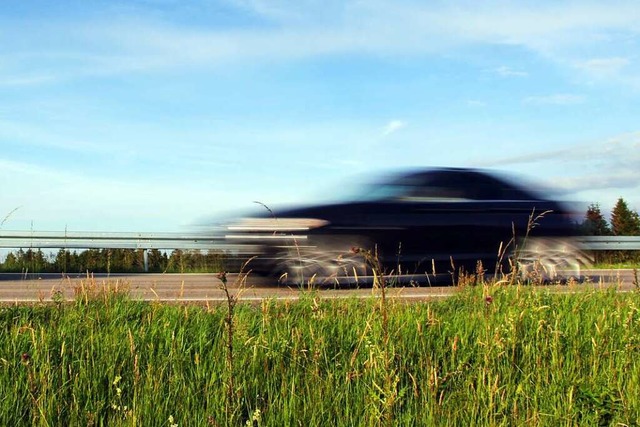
x=389, y=385
x=295, y=242
x=513, y=262
x=502, y=251
x=379, y=282
x=7, y=216
x=532, y=222
x=453, y=271
x=232, y=301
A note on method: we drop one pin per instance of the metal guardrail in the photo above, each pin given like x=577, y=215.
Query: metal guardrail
x=610, y=243
x=123, y=240
x=113, y=240
x=200, y=241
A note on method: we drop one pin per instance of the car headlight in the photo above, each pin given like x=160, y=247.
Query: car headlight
x=276, y=224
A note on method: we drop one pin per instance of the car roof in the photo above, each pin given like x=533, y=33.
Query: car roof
x=464, y=178
x=444, y=173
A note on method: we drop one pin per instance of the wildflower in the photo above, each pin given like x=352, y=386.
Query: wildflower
x=25, y=358
x=488, y=299
x=255, y=417
x=222, y=276
x=355, y=250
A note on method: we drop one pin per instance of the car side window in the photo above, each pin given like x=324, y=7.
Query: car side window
x=433, y=192
x=480, y=188
x=488, y=188
x=452, y=187
x=457, y=187
x=435, y=187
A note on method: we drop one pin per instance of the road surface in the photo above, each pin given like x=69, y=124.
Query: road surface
x=16, y=288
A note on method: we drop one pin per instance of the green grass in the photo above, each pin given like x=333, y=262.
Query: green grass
x=488, y=356
x=616, y=265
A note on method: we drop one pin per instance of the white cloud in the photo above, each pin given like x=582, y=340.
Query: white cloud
x=611, y=180
x=28, y=80
x=617, y=151
x=301, y=11
x=509, y=72
x=604, y=65
x=475, y=103
x=606, y=68
x=11, y=167
x=562, y=32
x=555, y=99
x=393, y=126
x=602, y=165
x=32, y=134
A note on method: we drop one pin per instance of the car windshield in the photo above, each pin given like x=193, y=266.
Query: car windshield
x=441, y=186
x=385, y=191
x=436, y=186
x=411, y=193
x=415, y=188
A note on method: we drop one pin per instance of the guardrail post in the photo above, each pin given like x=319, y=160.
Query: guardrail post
x=145, y=257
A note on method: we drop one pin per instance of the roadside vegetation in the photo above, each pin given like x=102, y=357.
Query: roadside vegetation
x=623, y=222
x=491, y=355
x=113, y=261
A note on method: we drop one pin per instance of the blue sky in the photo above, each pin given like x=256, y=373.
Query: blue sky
x=151, y=115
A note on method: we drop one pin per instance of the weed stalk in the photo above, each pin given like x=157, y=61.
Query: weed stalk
x=231, y=301
x=388, y=392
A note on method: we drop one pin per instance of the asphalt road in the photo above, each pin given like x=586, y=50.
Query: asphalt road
x=203, y=288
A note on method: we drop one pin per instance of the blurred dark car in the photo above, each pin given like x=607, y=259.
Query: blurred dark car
x=421, y=224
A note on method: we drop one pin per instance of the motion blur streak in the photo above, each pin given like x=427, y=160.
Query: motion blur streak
x=422, y=223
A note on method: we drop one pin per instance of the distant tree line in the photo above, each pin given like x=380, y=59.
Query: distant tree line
x=112, y=261
x=623, y=222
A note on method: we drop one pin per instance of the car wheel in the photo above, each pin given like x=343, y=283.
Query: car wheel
x=328, y=263
x=547, y=259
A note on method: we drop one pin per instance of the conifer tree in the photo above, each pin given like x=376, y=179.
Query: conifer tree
x=624, y=221
x=595, y=224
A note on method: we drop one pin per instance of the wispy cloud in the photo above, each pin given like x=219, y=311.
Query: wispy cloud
x=604, y=68
x=32, y=134
x=504, y=71
x=608, y=164
x=619, y=151
x=555, y=99
x=22, y=168
x=393, y=126
x=33, y=80
x=476, y=103
x=603, y=181
x=559, y=31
